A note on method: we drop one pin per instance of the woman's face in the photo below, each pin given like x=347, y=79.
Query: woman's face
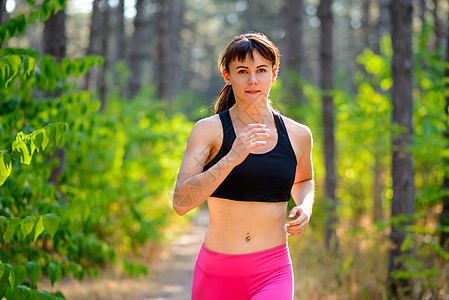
x=251, y=79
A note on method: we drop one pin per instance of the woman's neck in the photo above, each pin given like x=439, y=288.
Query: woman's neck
x=253, y=113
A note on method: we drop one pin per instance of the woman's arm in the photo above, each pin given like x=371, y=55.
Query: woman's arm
x=303, y=190
x=193, y=186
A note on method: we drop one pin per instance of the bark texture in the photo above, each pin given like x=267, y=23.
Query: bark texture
x=2, y=12
x=137, y=54
x=54, y=44
x=93, y=47
x=120, y=42
x=104, y=51
x=403, y=173
x=444, y=217
x=326, y=84
x=292, y=48
x=169, y=70
x=54, y=39
x=384, y=19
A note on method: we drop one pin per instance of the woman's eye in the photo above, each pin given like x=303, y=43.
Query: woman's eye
x=241, y=71
x=261, y=70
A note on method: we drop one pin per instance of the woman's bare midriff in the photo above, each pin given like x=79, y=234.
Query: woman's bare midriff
x=239, y=227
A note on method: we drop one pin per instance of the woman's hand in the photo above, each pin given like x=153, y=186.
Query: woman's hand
x=299, y=225
x=246, y=141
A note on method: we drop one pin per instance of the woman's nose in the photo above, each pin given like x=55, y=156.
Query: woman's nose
x=252, y=78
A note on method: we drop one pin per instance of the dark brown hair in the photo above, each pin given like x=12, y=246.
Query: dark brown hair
x=239, y=48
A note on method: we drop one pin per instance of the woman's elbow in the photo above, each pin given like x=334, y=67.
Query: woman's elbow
x=179, y=210
x=178, y=207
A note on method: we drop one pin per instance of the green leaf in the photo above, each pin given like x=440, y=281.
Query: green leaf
x=9, y=293
x=54, y=271
x=43, y=295
x=33, y=270
x=5, y=166
x=61, y=130
x=51, y=132
x=5, y=274
x=51, y=224
x=12, y=224
x=37, y=138
x=12, y=276
x=38, y=229
x=32, y=17
x=21, y=23
x=44, y=11
x=66, y=66
x=27, y=225
x=19, y=273
x=45, y=139
x=62, y=3
x=29, y=63
x=21, y=292
x=9, y=67
x=20, y=145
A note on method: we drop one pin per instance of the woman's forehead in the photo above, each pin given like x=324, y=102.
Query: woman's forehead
x=251, y=58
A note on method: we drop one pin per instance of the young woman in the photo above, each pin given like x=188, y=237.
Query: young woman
x=247, y=160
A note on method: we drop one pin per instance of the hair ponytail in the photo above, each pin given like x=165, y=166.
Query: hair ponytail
x=225, y=100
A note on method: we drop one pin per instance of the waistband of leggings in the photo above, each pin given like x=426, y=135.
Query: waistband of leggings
x=223, y=264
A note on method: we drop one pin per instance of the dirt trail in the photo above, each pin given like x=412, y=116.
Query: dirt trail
x=170, y=274
x=173, y=272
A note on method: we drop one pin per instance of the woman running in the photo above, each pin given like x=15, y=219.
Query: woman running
x=247, y=160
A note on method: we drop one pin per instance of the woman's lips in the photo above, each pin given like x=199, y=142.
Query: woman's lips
x=253, y=92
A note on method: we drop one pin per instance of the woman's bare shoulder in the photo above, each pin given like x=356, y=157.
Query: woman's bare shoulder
x=299, y=131
x=206, y=129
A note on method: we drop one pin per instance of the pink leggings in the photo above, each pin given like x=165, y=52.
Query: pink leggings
x=260, y=275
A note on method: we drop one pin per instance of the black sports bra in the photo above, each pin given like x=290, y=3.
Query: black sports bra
x=264, y=177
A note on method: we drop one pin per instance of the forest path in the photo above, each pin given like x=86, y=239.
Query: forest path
x=173, y=271
x=169, y=278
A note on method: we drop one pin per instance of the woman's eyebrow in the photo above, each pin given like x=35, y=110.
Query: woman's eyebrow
x=245, y=67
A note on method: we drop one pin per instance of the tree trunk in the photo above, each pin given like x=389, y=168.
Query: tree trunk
x=168, y=51
x=95, y=29
x=437, y=27
x=422, y=14
x=444, y=217
x=137, y=55
x=370, y=28
x=176, y=25
x=120, y=42
x=293, y=49
x=326, y=84
x=384, y=19
x=403, y=173
x=54, y=39
x=377, y=191
x=105, y=30
x=2, y=12
x=54, y=44
x=163, y=44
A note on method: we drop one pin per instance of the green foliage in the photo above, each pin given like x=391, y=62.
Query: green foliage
x=117, y=165
x=24, y=147
x=363, y=133
x=17, y=25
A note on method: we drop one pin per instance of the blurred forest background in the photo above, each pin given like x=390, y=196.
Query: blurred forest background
x=98, y=97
